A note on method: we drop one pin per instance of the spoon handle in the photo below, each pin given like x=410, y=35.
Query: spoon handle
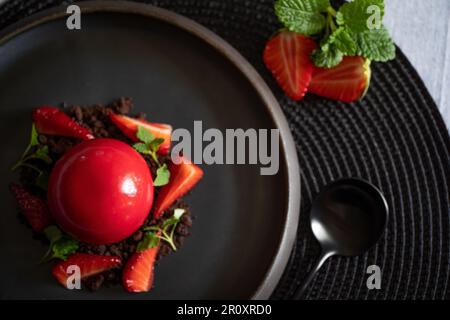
x=323, y=257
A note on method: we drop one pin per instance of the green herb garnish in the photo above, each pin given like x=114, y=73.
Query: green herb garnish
x=61, y=245
x=149, y=240
x=355, y=29
x=302, y=16
x=149, y=145
x=165, y=232
x=35, y=151
x=162, y=176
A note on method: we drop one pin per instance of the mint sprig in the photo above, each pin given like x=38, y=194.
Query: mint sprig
x=355, y=15
x=61, y=245
x=165, y=232
x=327, y=58
x=375, y=44
x=34, y=151
x=355, y=29
x=162, y=176
x=149, y=145
x=149, y=240
x=302, y=16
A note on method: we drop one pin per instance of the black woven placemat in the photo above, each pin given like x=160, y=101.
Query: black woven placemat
x=395, y=138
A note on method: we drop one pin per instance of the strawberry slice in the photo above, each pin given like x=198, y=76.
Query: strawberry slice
x=346, y=82
x=183, y=177
x=137, y=275
x=287, y=56
x=129, y=127
x=89, y=264
x=52, y=121
x=33, y=208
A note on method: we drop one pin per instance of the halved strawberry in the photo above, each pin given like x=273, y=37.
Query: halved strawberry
x=346, y=82
x=129, y=127
x=33, y=208
x=287, y=56
x=183, y=177
x=89, y=264
x=52, y=121
x=137, y=275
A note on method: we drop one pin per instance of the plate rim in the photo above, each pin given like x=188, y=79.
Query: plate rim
x=290, y=225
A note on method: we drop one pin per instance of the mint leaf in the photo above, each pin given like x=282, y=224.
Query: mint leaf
x=165, y=232
x=328, y=58
x=333, y=48
x=303, y=16
x=52, y=233
x=33, y=142
x=169, y=222
x=61, y=246
x=150, y=240
x=64, y=247
x=342, y=39
x=375, y=45
x=144, y=135
x=155, y=144
x=178, y=213
x=141, y=148
x=149, y=145
x=162, y=176
x=34, y=136
x=39, y=153
x=42, y=180
x=42, y=154
x=357, y=15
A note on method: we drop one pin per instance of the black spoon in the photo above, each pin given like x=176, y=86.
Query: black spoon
x=347, y=218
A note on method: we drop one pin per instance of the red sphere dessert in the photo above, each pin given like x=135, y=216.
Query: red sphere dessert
x=100, y=191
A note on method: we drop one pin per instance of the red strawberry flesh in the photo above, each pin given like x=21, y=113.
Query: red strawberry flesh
x=129, y=127
x=346, y=82
x=89, y=264
x=287, y=56
x=53, y=121
x=138, y=272
x=33, y=208
x=183, y=177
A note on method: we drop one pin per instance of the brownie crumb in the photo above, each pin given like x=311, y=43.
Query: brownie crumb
x=124, y=105
x=78, y=113
x=138, y=236
x=94, y=283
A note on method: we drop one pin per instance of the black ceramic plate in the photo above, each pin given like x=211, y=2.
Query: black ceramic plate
x=177, y=72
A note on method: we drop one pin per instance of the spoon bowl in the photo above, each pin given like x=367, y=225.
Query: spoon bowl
x=347, y=218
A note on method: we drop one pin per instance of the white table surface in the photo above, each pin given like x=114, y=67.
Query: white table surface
x=421, y=28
